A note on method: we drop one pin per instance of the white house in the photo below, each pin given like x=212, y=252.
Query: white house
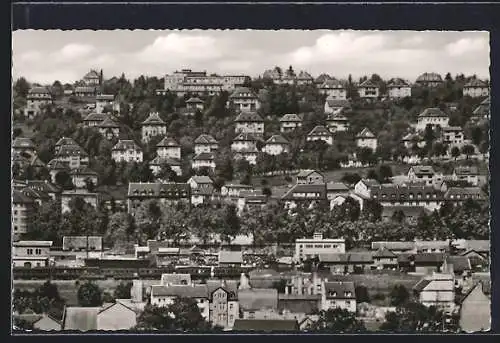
x=334, y=89
x=476, y=88
x=304, y=78
x=432, y=116
x=204, y=160
x=453, y=136
x=153, y=126
x=195, y=104
x=244, y=99
x=165, y=295
x=289, y=122
x=168, y=148
x=338, y=294
x=398, y=88
x=109, y=128
x=366, y=139
x=424, y=174
x=104, y=103
x=244, y=141
x=248, y=154
x=437, y=290
x=364, y=186
x=276, y=145
x=429, y=80
x=333, y=106
x=205, y=143
x=249, y=122
x=306, y=248
x=38, y=98
x=368, y=89
x=337, y=122
x=320, y=133
x=158, y=162
x=126, y=150
x=234, y=190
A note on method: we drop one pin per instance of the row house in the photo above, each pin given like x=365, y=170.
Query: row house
x=310, y=176
x=250, y=155
x=205, y=143
x=453, y=136
x=109, y=128
x=153, y=126
x=338, y=294
x=430, y=80
x=202, y=189
x=307, y=248
x=461, y=194
x=188, y=81
x=276, y=145
x=80, y=177
x=244, y=99
x=31, y=253
x=244, y=141
x=126, y=150
x=433, y=117
x=23, y=146
x=337, y=122
x=408, y=195
x=290, y=122
x=476, y=88
x=333, y=89
x=37, y=99
x=168, y=148
x=165, y=193
x=308, y=195
x=204, y=160
x=249, y=122
x=333, y=106
x=368, y=89
x=470, y=174
x=366, y=139
x=106, y=103
x=158, y=163
x=23, y=208
x=320, y=133
x=398, y=88
x=90, y=198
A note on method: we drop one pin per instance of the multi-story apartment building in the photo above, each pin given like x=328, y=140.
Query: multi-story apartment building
x=153, y=126
x=408, y=195
x=476, y=88
x=22, y=212
x=126, y=150
x=276, y=145
x=165, y=193
x=289, y=122
x=306, y=248
x=433, y=117
x=205, y=143
x=398, y=88
x=38, y=98
x=168, y=148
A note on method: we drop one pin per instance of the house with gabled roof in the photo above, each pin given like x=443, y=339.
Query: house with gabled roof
x=364, y=187
x=429, y=80
x=224, y=305
x=244, y=141
x=109, y=128
x=72, y=155
x=482, y=111
x=424, y=174
x=335, y=189
x=338, y=294
x=289, y=122
x=158, y=163
x=368, y=89
x=153, y=126
x=249, y=122
x=320, y=133
x=202, y=189
x=333, y=105
x=475, y=310
x=80, y=177
x=92, y=78
x=470, y=174
x=37, y=99
x=398, y=88
x=366, y=139
x=276, y=145
x=322, y=78
x=169, y=193
x=333, y=89
x=234, y=190
x=437, y=290
x=94, y=119
x=433, y=117
x=204, y=160
x=383, y=258
x=310, y=176
x=337, y=122
x=168, y=148
x=47, y=322
x=195, y=104
x=205, y=143
x=62, y=142
x=162, y=295
x=304, y=78
x=476, y=88
x=126, y=150
x=305, y=194
x=244, y=99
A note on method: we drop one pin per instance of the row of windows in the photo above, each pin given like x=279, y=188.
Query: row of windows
x=37, y=251
x=325, y=246
x=410, y=196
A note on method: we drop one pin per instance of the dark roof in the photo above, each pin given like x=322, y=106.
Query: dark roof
x=336, y=186
x=408, y=211
x=175, y=279
x=265, y=325
x=66, y=141
x=202, y=179
x=245, y=137
x=168, y=142
x=39, y=90
x=340, y=290
x=331, y=84
x=464, y=192
x=83, y=171
x=319, y=189
x=56, y=164
x=19, y=197
x=423, y=170
x=466, y=170
x=80, y=318
x=392, y=192
x=204, y=156
x=370, y=182
x=96, y=117
x=158, y=161
x=109, y=122
x=421, y=285
x=304, y=76
x=249, y=117
x=126, y=144
x=240, y=91
x=290, y=117
x=365, y=133
x=258, y=299
x=319, y=130
x=459, y=263
x=368, y=83
x=277, y=139
x=337, y=102
x=475, y=83
x=433, y=112
x=105, y=97
x=153, y=119
x=194, y=101
x=397, y=82
x=112, y=192
x=71, y=150
x=205, y=139
x=429, y=77
x=348, y=258
x=170, y=189
x=43, y=186
x=230, y=287
x=92, y=74
x=307, y=172
x=383, y=252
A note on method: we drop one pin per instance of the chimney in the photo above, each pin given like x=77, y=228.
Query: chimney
x=136, y=291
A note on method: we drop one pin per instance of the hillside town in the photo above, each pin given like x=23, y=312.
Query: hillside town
x=282, y=202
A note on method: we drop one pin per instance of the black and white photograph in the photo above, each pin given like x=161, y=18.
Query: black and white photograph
x=239, y=181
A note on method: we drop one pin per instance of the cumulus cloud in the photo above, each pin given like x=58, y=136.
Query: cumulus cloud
x=73, y=51
x=466, y=45
x=180, y=46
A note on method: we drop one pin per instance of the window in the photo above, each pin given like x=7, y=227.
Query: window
x=348, y=302
x=326, y=246
x=231, y=317
x=309, y=246
x=29, y=251
x=38, y=251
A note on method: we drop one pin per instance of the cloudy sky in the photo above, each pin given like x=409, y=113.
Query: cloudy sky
x=45, y=56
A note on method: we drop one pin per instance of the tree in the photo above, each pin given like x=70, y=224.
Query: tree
x=385, y=173
x=182, y=315
x=21, y=87
x=398, y=216
x=362, y=295
x=350, y=209
x=122, y=290
x=350, y=178
x=429, y=135
x=89, y=295
x=119, y=231
x=399, y=295
x=372, y=210
x=468, y=150
x=339, y=321
x=476, y=135
x=63, y=179
x=455, y=152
